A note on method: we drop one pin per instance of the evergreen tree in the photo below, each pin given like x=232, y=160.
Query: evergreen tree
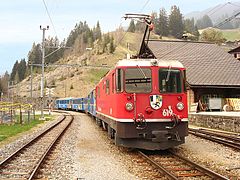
x=131, y=27
x=22, y=67
x=196, y=33
x=204, y=22
x=207, y=22
x=16, y=78
x=4, y=82
x=82, y=37
x=1, y=87
x=52, y=44
x=189, y=26
x=176, y=22
x=90, y=39
x=106, y=41
x=161, y=26
x=140, y=27
x=35, y=54
x=112, y=47
x=97, y=33
x=73, y=35
x=199, y=23
x=14, y=71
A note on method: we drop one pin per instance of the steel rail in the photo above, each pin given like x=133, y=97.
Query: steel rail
x=199, y=167
x=217, y=138
x=11, y=156
x=162, y=169
x=204, y=171
x=41, y=161
x=227, y=135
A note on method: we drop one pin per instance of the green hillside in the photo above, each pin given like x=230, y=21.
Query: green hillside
x=231, y=35
x=228, y=34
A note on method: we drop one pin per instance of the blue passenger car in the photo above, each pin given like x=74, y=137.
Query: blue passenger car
x=85, y=104
x=92, y=103
x=64, y=103
x=78, y=104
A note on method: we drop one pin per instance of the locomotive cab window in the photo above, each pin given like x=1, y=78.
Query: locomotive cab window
x=119, y=80
x=184, y=80
x=138, y=80
x=170, y=80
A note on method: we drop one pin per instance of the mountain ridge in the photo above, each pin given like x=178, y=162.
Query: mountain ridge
x=217, y=12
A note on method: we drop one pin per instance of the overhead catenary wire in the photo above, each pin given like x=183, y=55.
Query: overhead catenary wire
x=46, y=8
x=230, y=18
x=144, y=6
x=217, y=9
x=212, y=9
x=233, y=4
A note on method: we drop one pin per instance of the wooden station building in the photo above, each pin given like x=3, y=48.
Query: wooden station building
x=213, y=75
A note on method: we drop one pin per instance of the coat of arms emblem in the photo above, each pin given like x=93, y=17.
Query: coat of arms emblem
x=156, y=101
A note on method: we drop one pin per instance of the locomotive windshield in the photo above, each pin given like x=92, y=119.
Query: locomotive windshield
x=138, y=80
x=170, y=80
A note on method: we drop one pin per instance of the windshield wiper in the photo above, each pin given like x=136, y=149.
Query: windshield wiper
x=168, y=74
x=142, y=72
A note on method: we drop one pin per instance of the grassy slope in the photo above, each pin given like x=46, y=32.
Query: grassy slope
x=7, y=131
x=231, y=35
x=83, y=82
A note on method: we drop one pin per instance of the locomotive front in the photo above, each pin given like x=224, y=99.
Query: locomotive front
x=151, y=104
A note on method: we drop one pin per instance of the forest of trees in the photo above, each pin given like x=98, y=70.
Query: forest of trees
x=78, y=40
x=169, y=25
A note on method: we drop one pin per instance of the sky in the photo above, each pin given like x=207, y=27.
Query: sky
x=20, y=20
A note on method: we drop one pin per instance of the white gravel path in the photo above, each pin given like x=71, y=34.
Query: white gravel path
x=96, y=158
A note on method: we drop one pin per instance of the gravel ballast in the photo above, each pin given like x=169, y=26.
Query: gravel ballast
x=85, y=152
x=222, y=159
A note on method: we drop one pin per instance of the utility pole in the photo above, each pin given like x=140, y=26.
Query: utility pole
x=43, y=62
x=31, y=77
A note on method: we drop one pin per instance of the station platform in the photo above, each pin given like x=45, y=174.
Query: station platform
x=226, y=121
x=219, y=113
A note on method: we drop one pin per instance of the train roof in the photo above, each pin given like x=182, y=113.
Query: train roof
x=149, y=62
x=79, y=98
x=66, y=98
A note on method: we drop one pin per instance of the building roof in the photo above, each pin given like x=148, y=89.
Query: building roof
x=206, y=64
x=235, y=50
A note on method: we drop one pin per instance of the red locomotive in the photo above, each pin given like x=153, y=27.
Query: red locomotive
x=143, y=104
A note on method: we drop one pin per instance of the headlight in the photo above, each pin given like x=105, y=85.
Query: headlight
x=180, y=106
x=129, y=106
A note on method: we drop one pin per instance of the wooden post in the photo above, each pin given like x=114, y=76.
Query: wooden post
x=11, y=114
x=21, y=115
x=34, y=113
x=28, y=116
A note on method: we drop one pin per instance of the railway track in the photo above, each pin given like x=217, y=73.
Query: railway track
x=177, y=167
x=225, y=138
x=26, y=161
